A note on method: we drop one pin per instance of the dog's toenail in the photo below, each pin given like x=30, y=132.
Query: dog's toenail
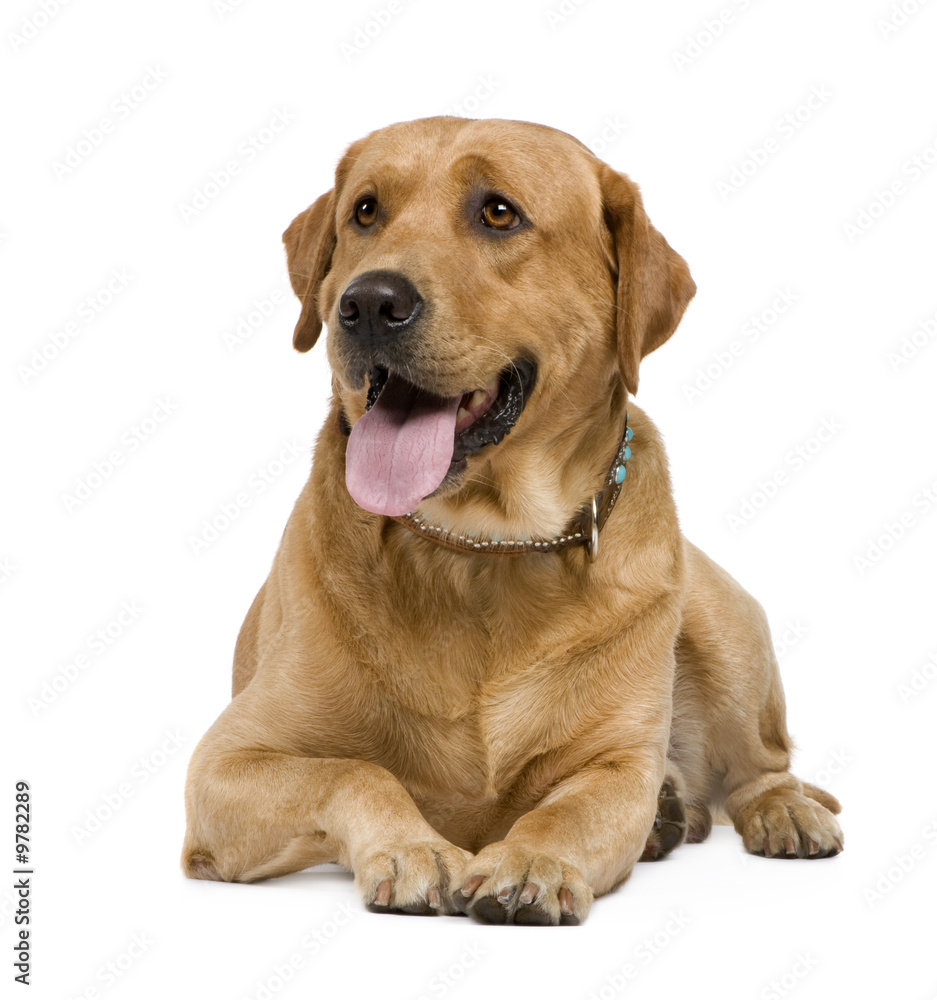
x=473, y=883
x=530, y=893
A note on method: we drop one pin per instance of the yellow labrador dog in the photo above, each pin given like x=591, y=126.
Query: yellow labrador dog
x=487, y=673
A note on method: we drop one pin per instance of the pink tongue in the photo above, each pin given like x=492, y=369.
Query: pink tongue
x=401, y=449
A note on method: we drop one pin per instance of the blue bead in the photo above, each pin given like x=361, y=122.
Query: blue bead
x=628, y=434
x=620, y=474
x=627, y=453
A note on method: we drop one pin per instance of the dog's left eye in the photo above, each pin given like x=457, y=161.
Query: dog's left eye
x=499, y=213
x=366, y=211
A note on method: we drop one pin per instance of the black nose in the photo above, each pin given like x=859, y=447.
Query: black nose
x=379, y=306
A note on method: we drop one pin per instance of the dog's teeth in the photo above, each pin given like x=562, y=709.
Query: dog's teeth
x=478, y=397
x=461, y=414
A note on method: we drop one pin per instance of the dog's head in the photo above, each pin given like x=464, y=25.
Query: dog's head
x=479, y=278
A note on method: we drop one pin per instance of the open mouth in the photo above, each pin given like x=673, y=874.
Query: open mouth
x=409, y=440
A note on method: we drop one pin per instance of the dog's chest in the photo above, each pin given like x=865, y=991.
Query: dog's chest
x=471, y=711
x=473, y=773
x=478, y=670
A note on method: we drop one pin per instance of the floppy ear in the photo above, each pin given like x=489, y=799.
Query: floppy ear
x=654, y=283
x=309, y=241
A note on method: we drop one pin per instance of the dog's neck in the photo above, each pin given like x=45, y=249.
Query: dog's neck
x=582, y=530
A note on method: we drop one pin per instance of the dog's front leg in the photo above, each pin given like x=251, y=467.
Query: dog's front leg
x=581, y=841
x=256, y=814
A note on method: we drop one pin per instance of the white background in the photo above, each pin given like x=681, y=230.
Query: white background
x=119, y=728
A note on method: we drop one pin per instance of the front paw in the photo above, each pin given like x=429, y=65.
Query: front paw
x=783, y=823
x=512, y=884
x=412, y=878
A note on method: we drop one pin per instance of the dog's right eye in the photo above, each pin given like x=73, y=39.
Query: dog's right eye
x=366, y=211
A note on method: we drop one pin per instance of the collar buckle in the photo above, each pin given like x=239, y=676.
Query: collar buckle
x=590, y=531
